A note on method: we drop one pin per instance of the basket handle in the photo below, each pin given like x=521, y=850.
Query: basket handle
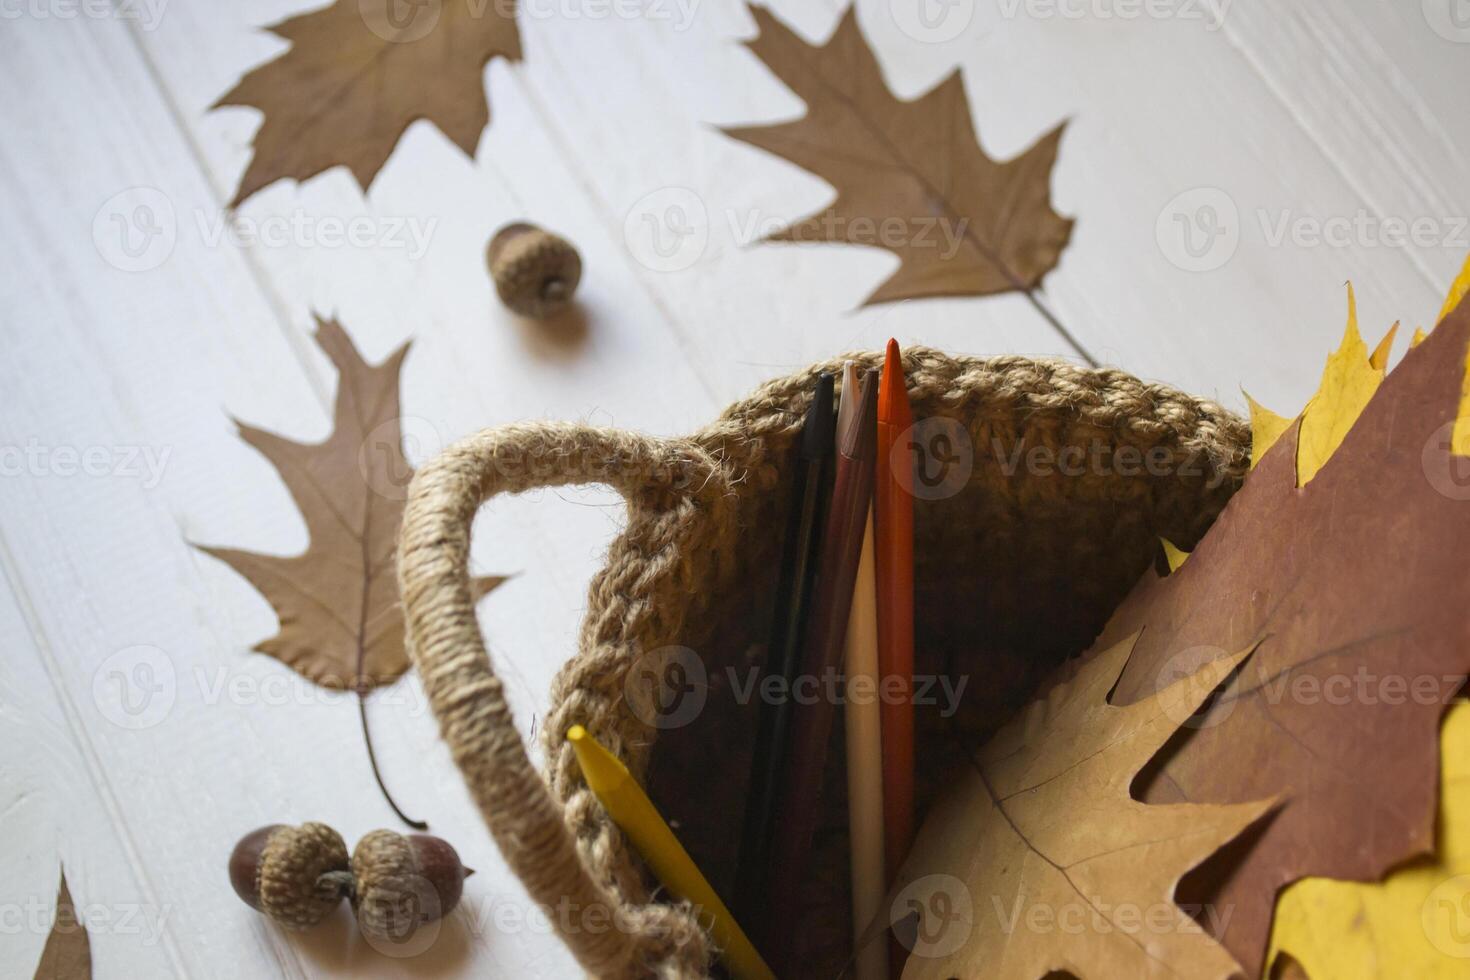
x=445, y=642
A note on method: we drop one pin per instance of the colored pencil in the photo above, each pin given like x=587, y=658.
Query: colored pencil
x=798, y=568
x=893, y=527
x=864, y=746
x=822, y=642
x=633, y=812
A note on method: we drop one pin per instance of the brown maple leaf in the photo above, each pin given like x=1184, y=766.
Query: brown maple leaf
x=1353, y=590
x=359, y=72
x=911, y=177
x=1038, y=861
x=68, y=952
x=341, y=619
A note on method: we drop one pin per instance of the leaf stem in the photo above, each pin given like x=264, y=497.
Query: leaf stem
x=362, y=695
x=1050, y=317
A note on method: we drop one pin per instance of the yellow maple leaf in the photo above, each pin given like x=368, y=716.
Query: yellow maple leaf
x=1173, y=554
x=1348, y=384
x=1379, y=357
x=1458, y=288
x=1266, y=428
x=1418, y=337
x=1416, y=922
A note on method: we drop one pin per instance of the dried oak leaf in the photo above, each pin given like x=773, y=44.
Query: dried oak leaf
x=359, y=72
x=341, y=619
x=1039, y=862
x=911, y=177
x=1352, y=589
x=68, y=952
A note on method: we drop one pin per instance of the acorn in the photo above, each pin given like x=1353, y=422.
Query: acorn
x=294, y=875
x=403, y=882
x=535, y=272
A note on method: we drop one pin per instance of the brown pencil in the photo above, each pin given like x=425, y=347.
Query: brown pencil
x=811, y=723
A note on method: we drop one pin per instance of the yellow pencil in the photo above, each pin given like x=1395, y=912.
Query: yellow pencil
x=634, y=812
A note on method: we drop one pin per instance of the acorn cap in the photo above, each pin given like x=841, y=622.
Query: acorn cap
x=294, y=875
x=535, y=272
x=404, y=881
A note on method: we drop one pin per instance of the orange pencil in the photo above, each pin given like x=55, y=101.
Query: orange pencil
x=893, y=529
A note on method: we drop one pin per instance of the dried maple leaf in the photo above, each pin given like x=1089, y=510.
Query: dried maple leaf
x=359, y=72
x=911, y=177
x=68, y=952
x=1039, y=861
x=1353, y=590
x=341, y=619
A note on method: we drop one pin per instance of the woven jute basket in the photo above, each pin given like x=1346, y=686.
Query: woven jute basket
x=1073, y=476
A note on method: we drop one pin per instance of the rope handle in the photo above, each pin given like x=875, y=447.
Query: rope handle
x=444, y=640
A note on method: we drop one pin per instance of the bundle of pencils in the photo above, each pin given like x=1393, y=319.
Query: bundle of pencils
x=845, y=601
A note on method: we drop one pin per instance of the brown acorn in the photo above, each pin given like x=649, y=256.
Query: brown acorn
x=535, y=272
x=403, y=882
x=295, y=875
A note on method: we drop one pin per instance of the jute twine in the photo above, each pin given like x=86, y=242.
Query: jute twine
x=1048, y=554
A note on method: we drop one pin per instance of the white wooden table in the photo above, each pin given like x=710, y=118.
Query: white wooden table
x=117, y=387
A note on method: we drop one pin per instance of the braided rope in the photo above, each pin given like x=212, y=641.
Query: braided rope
x=689, y=501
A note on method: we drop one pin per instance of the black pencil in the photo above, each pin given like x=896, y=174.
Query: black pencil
x=826, y=628
x=793, y=592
